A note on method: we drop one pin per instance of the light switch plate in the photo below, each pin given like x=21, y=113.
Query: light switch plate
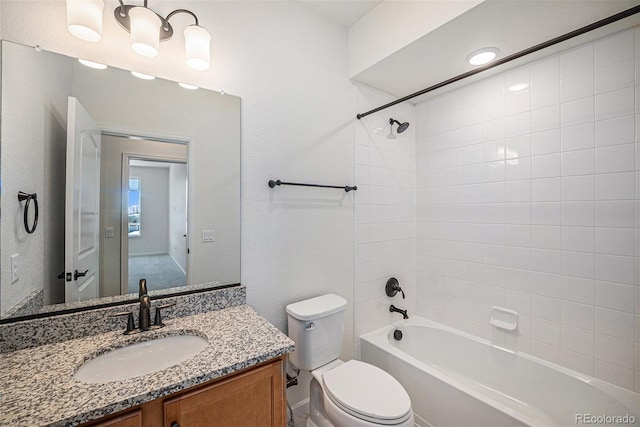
x=208, y=235
x=14, y=268
x=108, y=232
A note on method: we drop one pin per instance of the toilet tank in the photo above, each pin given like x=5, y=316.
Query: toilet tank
x=316, y=326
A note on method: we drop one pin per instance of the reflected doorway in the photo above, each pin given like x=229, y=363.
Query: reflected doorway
x=156, y=223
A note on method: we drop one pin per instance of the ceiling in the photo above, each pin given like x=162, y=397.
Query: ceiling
x=508, y=25
x=343, y=13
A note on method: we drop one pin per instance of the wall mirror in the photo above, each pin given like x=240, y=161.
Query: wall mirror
x=132, y=178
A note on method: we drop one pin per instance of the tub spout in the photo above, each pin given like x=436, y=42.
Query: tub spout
x=393, y=308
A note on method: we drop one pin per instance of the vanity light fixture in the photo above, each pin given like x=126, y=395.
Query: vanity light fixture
x=188, y=86
x=147, y=29
x=143, y=76
x=91, y=64
x=483, y=56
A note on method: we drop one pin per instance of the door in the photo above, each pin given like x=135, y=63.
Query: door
x=82, y=205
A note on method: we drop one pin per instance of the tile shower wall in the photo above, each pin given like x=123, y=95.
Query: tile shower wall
x=528, y=190
x=385, y=226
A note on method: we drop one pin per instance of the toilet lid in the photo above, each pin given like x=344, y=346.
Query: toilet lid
x=366, y=391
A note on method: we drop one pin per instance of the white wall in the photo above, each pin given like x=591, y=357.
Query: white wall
x=529, y=200
x=178, y=214
x=385, y=226
x=28, y=127
x=154, y=211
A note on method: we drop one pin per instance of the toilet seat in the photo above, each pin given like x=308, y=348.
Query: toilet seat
x=367, y=392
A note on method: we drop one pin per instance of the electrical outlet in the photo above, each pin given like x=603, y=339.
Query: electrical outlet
x=108, y=232
x=208, y=235
x=14, y=268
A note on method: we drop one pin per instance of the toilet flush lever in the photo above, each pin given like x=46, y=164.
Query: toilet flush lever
x=393, y=287
x=310, y=327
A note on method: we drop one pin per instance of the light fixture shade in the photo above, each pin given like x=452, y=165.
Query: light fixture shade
x=145, y=31
x=84, y=19
x=198, y=47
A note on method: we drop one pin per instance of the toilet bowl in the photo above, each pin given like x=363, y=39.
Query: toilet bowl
x=357, y=394
x=342, y=394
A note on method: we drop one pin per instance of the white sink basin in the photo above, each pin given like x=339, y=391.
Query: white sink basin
x=140, y=359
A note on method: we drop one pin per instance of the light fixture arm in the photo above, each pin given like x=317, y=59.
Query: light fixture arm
x=175, y=12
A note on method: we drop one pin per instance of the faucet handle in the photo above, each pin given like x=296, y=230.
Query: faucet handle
x=130, y=324
x=157, y=323
x=393, y=287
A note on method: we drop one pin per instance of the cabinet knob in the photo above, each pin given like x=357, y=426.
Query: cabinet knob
x=175, y=424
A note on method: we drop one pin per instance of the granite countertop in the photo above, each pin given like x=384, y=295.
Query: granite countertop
x=37, y=387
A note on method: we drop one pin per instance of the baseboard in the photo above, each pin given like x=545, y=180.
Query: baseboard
x=178, y=264
x=149, y=254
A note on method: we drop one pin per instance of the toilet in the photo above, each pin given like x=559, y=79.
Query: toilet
x=342, y=394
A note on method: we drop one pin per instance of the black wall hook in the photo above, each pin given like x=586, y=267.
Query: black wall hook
x=28, y=197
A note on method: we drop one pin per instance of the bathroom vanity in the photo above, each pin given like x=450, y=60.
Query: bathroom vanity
x=251, y=397
x=237, y=380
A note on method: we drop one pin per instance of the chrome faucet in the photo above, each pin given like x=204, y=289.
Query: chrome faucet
x=394, y=309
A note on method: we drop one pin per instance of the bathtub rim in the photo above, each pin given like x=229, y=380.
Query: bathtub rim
x=380, y=338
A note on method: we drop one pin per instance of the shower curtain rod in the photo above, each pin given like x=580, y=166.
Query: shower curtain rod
x=598, y=24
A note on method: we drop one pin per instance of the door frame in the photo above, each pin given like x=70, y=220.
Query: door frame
x=189, y=141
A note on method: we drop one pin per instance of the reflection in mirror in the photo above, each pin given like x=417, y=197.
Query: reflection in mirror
x=134, y=178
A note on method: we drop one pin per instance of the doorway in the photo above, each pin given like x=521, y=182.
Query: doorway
x=156, y=222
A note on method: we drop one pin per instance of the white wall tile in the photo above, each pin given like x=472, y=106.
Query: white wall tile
x=582, y=110
x=619, y=130
x=579, y=214
x=615, y=296
x=525, y=199
x=615, y=241
x=546, y=142
x=615, y=213
x=545, y=118
x=578, y=188
x=618, y=158
x=614, y=323
x=579, y=162
x=578, y=239
x=616, y=103
x=577, y=137
x=546, y=190
x=615, y=48
x=577, y=315
x=576, y=60
x=615, y=186
x=545, y=166
x=615, y=76
x=576, y=86
x=577, y=340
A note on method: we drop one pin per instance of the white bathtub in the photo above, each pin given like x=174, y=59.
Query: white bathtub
x=455, y=379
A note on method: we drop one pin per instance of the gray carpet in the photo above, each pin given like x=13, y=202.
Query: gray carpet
x=161, y=272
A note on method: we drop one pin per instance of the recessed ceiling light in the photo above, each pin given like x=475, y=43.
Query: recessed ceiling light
x=143, y=76
x=188, y=86
x=483, y=56
x=91, y=64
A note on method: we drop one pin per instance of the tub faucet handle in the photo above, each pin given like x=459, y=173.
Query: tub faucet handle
x=393, y=287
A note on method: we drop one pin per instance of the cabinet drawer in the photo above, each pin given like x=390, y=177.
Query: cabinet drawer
x=130, y=419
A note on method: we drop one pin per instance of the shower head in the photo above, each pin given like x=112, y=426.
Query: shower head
x=401, y=126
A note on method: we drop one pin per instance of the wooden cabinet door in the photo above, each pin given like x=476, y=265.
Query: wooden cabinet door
x=252, y=399
x=130, y=419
